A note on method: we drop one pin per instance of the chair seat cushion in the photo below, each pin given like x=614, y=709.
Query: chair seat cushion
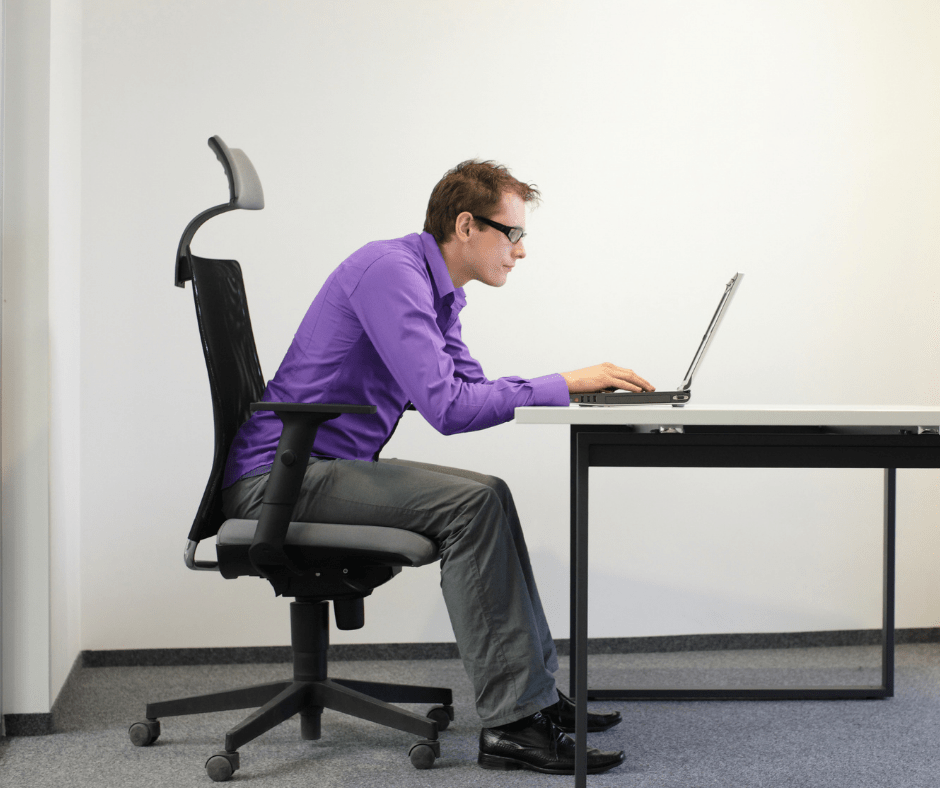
x=391, y=546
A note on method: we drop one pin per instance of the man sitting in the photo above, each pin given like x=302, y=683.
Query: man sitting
x=385, y=330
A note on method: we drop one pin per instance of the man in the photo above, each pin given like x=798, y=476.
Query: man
x=384, y=329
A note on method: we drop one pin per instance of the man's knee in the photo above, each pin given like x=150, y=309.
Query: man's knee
x=480, y=506
x=499, y=487
x=489, y=504
x=488, y=494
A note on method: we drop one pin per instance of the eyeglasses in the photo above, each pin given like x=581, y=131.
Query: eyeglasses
x=514, y=234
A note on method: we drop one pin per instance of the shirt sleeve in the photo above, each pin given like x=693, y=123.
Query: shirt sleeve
x=466, y=367
x=395, y=305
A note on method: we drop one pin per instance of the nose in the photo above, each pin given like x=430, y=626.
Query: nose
x=518, y=249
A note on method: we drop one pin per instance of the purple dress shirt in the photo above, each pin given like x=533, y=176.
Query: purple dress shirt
x=384, y=330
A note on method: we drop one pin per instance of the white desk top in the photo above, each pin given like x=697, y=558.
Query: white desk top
x=858, y=416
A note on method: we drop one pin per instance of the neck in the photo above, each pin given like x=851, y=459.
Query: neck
x=453, y=259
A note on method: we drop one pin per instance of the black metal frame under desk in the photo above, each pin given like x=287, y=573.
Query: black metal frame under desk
x=737, y=447
x=733, y=446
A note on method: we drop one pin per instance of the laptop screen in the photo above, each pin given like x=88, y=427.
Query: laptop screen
x=730, y=289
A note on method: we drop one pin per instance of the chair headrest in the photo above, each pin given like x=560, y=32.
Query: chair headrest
x=243, y=183
x=245, y=192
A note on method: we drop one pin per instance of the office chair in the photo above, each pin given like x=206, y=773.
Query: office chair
x=314, y=563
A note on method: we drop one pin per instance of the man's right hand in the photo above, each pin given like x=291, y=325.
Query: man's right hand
x=604, y=376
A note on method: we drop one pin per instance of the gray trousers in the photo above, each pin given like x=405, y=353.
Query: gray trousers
x=488, y=586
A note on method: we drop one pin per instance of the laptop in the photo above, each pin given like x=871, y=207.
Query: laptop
x=683, y=394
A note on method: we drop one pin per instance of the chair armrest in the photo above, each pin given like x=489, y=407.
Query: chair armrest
x=301, y=421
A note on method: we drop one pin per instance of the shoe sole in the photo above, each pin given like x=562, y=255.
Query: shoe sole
x=500, y=763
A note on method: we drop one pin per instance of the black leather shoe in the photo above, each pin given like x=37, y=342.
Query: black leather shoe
x=562, y=714
x=540, y=747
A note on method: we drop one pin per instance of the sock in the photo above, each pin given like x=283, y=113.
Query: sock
x=518, y=725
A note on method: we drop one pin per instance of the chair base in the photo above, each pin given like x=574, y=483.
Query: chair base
x=308, y=694
x=278, y=701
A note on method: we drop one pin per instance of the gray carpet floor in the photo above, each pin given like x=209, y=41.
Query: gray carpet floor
x=890, y=743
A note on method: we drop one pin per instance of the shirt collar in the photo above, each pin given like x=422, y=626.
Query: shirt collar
x=442, y=281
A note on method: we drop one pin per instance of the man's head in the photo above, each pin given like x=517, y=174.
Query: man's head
x=475, y=212
x=474, y=187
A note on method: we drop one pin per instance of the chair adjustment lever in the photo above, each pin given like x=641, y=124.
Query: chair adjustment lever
x=264, y=555
x=359, y=588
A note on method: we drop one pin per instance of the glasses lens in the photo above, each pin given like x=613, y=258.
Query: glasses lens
x=515, y=234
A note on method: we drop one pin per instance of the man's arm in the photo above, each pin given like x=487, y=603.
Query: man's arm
x=466, y=367
x=394, y=304
x=581, y=381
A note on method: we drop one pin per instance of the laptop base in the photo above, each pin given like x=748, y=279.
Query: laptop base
x=632, y=398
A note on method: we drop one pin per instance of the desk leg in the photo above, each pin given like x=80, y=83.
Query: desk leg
x=580, y=607
x=887, y=637
x=573, y=566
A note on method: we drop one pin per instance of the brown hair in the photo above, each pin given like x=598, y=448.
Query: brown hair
x=474, y=186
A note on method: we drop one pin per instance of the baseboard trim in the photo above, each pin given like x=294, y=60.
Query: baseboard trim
x=344, y=652
x=757, y=640
x=44, y=724
x=28, y=724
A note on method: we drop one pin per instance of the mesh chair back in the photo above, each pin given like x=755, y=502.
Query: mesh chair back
x=235, y=378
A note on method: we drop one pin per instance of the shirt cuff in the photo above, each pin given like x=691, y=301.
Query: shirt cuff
x=550, y=390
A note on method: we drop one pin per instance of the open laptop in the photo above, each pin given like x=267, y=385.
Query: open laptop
x=683, y=394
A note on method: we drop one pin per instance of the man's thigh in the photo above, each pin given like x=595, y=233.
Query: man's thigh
x=395, y=493
x=480, y=478
x=493, y=482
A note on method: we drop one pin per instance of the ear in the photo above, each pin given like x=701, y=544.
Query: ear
x=462, y=225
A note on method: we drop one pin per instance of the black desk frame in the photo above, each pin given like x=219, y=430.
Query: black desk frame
x=731, y=447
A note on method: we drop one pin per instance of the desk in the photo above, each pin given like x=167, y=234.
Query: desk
x=764, y=436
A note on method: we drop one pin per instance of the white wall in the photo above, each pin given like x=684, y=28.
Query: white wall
x=674, y=143
x=40, y=361
x=65, y=370
x=25, y=360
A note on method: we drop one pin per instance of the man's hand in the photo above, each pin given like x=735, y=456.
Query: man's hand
x=604, y=376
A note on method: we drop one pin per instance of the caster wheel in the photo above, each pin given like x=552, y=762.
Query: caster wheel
x=145, y=733
x=221, y=766
x=442, y=715
x=424, y=753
